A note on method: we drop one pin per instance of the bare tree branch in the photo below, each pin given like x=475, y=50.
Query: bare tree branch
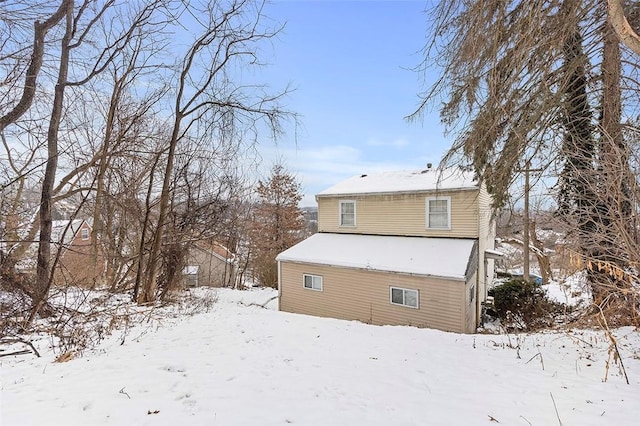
x=621, y=26
x=31, y=77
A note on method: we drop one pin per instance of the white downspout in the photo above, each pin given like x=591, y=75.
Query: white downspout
x=279, y=283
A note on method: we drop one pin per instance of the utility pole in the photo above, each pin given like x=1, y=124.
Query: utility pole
x=525, y=232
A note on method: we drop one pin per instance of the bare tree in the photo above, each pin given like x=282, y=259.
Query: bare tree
x=206, y=188
x=81, y=58
x=127, y=125
x=79, y=29
x=44, y=275
x=207, y=98
x=17, y=101
x=134, y=157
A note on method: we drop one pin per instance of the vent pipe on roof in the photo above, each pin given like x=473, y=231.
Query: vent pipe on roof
x=429, y=165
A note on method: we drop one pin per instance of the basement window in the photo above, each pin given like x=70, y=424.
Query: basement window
x=312, y=282
x=404, y=297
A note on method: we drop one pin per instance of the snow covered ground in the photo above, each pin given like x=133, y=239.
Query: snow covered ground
x=572, y=290
x=240, y=364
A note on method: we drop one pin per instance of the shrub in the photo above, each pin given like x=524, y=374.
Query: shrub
x=521, y=304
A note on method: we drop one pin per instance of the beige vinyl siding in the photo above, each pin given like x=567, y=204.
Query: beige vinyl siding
x=471, y=321
x=401, y=214
x=212, y=271
x=355, y=294
x=486, y=241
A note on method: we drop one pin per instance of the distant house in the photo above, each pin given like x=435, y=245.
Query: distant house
x=75, y=264
x=398, y=248
x=209, y=264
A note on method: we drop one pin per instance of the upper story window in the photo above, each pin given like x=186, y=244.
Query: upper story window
x=439, y=213
x=84, y=233
x=347, y=213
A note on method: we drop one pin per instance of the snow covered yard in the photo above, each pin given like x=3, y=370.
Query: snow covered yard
x=240, y=364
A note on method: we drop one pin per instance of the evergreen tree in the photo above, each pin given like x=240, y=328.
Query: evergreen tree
x=518, y=81
x=576, y=183
x=278, y=223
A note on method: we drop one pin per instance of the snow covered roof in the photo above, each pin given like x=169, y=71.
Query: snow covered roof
x=216, y=249
x=190, y=270
x=59, y=227
x=404, y=181
x=438, y=257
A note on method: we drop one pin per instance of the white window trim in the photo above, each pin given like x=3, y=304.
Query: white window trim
x=448, y=200
x=190, y=274
x=342, y=202
x=417, y=292
x=304, y=276
x=82, y=234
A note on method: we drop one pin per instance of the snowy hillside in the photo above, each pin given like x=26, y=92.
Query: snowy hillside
x=240, y=364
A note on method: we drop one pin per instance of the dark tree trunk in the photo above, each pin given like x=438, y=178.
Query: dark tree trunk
x=44, y=274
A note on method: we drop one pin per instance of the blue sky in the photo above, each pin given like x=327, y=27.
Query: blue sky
x=349, y=63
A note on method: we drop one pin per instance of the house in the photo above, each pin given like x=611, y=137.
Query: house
x=209, y=264
x=395, y=248
x=75, y=264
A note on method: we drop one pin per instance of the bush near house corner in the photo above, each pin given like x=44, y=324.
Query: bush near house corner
x=521, y=304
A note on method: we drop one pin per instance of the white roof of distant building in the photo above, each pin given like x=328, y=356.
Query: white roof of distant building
x=404, y=181
x=190, y=270
x=58, y=228
x=437, y=257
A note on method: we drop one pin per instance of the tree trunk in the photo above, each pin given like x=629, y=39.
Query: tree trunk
x=146, y=228
x=621, y=26
x=544, y=263
x=150, y=284
x=44, y=275
x=615, y=206
x=97, y=230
